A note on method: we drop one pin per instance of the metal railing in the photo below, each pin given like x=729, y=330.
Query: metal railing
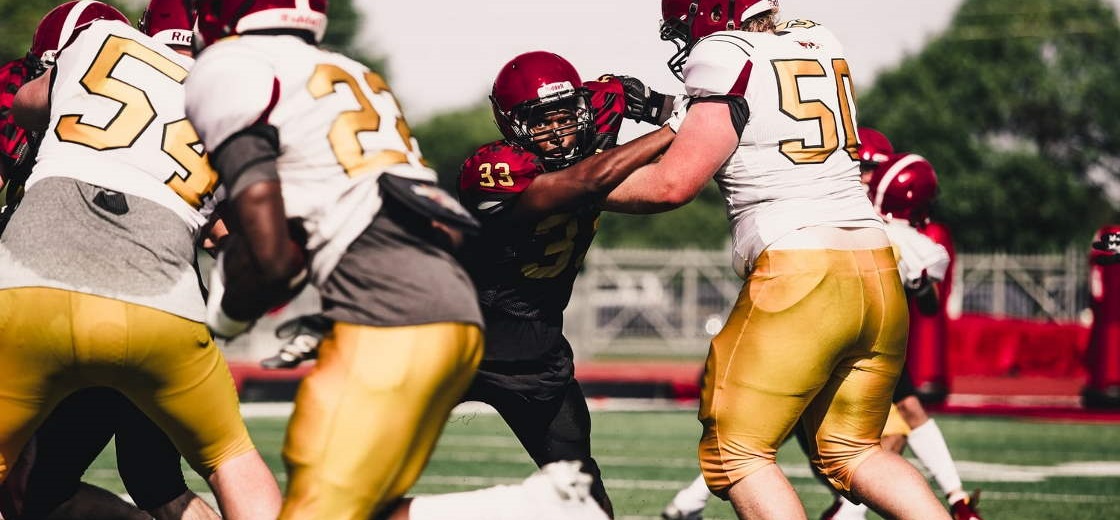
x=669, y=303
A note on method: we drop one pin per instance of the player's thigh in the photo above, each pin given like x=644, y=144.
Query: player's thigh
x=147, y=460
x=75, y=432
x=369, y=413
x=36, y=345
x=180, y=380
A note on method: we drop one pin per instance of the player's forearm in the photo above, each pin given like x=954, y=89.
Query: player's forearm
x=31, y=107
x=590, y=179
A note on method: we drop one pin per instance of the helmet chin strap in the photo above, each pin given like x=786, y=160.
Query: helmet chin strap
x=730, y=14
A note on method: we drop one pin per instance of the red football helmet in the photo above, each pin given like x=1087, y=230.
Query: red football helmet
x=874, y=148
x=170, y=22
x=533, y=86
x=903, y=187
x=220, y=18
x=61, y=24
x=683, y=22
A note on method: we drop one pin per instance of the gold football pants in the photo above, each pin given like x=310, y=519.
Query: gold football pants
x=368, y=415
x=53, y=342
x=815, y=334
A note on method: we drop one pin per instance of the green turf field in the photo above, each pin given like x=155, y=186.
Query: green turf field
x=1027, y=469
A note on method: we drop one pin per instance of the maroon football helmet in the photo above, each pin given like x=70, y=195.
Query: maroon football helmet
x=61, y=24
x=531, y=87
x=903, y=187
x=170, y=22
x=874, y=148
x=683, y=22
x=220, y=18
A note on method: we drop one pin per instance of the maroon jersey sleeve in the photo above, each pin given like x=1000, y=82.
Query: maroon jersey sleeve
x=491, y=179
x=608, y=100
x=12, y=76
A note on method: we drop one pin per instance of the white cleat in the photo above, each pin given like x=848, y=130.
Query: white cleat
x=562, y=491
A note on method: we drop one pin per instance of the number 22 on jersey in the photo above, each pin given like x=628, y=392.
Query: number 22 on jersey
x=179, y=141
x=343, y=135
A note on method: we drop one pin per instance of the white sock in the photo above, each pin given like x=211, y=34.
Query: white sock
x=850, y=511
x=694, y=497
x=497, y=503
x=929, y=446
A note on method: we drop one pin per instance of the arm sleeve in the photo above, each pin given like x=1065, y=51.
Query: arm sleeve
x=247, y=157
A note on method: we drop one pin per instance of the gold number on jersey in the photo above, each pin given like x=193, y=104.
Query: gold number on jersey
x=136, y=114
x=487, y=170
x=560, y=250
x=182, y=143
x=344, y=131
x=789, y=73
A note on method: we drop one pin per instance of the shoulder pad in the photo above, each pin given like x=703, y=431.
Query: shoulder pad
x=499, y=167
x=719, y=65
x=219, y=104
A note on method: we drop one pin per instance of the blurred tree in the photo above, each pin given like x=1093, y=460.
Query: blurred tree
x=700, y=224
x=1015, y=107
x=344, y=24
x=448, y=139
x=18, y=19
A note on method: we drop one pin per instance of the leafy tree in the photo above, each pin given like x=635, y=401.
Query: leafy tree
x=700, y=224
x=1014, y=105
x=450, y=138
x=344, y=24
x=18, y=19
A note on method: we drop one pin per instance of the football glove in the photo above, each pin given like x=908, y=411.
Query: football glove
x=1109, y=245
x=680, y=108
x=642, y=103
x=220, y=324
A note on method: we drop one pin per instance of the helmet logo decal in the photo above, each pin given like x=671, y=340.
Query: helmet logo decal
x=554, y=89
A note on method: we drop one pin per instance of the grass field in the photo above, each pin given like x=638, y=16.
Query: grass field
x=1027, y=469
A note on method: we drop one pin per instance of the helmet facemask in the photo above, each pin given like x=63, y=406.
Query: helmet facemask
x=558, y=128
x=678, y=32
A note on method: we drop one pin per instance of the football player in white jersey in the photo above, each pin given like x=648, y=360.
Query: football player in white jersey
x=99, y=286
x=327, y=184
x=818, y=334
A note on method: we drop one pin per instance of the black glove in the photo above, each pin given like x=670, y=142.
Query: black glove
x=642, y=103
x=1109, y=243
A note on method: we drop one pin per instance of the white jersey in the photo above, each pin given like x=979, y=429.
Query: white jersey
x=796, y=164
x=339, y=129
x=117, y=121
x=919, y=257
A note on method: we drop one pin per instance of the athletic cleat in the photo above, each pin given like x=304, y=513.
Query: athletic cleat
x=844, y=510
x=671, y=512
x=304, y=335
x=966, y=508
x=563, y=492
x=830, y=513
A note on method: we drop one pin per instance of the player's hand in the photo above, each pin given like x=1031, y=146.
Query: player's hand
x=642, y=103
x=1109, y=245
x=676, y=117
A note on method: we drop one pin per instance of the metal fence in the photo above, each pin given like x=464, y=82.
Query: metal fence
x=669, y=302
